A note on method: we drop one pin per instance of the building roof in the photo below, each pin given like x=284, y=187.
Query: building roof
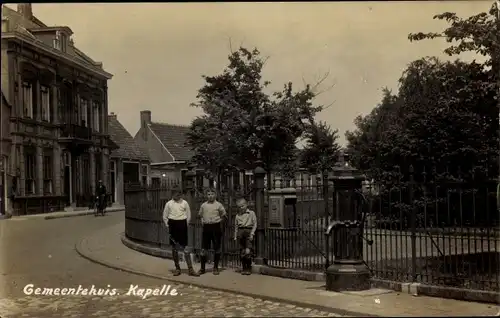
x=173, y=137
x=129, y=149
x=31, y=26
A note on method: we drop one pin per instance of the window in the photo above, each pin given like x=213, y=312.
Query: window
x=28, y=99
x=96, y=122
x=57, y=40
x=60, y=41
x=30, y=170
x=45, y=92
x=84, y=112
x=47, y=173
x=144, y=177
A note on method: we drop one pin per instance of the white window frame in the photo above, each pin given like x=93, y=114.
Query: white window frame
x=96, y=113
x=57, y=41
x=84, y=112
x=45, y=101
x=28, y=99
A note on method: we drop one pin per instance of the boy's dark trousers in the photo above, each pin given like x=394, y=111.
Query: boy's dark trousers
x=245, y=242
x=211, y=237
x=178, y=231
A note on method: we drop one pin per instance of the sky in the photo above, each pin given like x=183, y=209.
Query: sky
x=159, y=51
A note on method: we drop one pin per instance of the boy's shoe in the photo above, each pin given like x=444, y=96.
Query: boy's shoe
x=192, y=272
x=215, y=271
x=176, y=272
x=202, y=271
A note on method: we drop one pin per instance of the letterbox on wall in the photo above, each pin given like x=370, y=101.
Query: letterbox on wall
x=278, y=200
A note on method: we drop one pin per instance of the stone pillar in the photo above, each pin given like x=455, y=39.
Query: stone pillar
x=56, y=162
x=188, y=188
x=259, y=174
x=348, y=271
x=93, y=181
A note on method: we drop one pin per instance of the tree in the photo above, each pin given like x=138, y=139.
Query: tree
x=322, y=149
x=444, y=113
x=242, y=124
x=441, y=117
x=443, y=121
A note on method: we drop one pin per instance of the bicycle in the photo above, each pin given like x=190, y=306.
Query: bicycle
x=98, y=209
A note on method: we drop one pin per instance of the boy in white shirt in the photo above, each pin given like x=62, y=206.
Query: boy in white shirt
x=177, y=216
x=212, y=215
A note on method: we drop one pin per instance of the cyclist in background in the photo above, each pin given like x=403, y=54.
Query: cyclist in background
x=100, y=193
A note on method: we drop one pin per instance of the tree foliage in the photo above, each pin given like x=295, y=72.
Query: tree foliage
x=322, y=149
x=444, y=113
x=242, y=124
x=442, y=121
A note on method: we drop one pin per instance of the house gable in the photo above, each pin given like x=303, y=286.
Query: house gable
x=173, y=138
x=154, y=148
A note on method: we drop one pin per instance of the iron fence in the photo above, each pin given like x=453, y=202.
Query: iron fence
x=423, y=226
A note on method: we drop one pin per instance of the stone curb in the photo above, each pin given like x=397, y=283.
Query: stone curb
x=83, y=252
x=60, y=215
x=81, y=213
x=408, y=288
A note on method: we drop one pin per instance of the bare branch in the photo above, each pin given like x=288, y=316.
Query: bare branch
x=230, y=45
x=314, y=88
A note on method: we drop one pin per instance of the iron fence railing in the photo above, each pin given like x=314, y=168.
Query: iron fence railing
x=438, y=231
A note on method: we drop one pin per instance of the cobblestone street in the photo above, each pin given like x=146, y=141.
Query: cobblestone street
x=41, y=252
x=191, y=301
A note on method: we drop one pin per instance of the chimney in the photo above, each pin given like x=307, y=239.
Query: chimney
x=25, y=10
x=145, y=118
x=112, y=115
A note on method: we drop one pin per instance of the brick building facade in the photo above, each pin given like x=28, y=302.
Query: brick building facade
x=58, y=144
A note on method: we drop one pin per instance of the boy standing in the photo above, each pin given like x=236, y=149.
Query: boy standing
x=245, y=227
x=177, y=216
x=212, y=215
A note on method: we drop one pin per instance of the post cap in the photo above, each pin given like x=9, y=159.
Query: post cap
x=259, y=171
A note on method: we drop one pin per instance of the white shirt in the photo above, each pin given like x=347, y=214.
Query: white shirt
x=176, y=211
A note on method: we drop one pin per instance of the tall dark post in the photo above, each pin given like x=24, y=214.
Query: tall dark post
x=259, y=174
x=188, y=189
x=348, y=271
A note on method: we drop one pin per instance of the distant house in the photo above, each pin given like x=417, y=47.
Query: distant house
x=129, y=163
x=166, y=147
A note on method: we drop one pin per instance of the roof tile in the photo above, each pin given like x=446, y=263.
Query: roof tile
x=174, y=138
x=129, y=149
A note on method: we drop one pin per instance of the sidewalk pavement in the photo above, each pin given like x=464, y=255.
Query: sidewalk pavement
x=66, y=214
x=105, y=247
